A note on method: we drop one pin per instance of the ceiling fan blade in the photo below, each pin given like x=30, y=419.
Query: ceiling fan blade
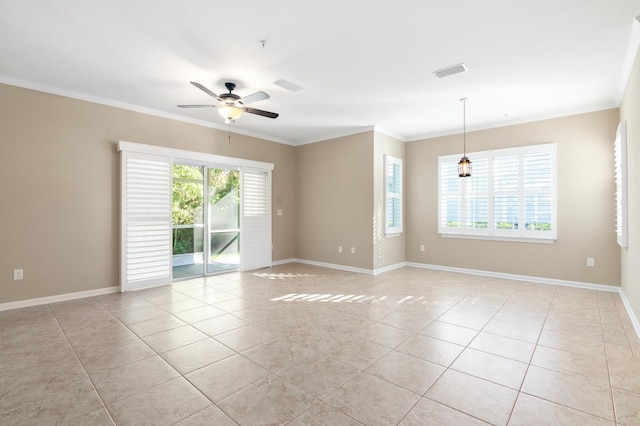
x=260, y=112
x=196, y=106
x=205, y=90
x=255, y=97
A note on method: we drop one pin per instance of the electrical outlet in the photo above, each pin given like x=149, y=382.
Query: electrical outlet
x=422, y=247
x=353, y=250
x=18, y=274
x=339, y=249
x=591, y=262
x=279, y=212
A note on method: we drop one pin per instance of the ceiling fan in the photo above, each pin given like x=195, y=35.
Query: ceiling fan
x=231, y=106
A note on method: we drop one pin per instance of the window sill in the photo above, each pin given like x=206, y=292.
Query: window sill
x=538, y=240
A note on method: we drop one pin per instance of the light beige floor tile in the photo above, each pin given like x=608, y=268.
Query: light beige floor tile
x=521, y=315
x=618, y=352
x=463, y=319
x=167, y=297
x=209, y=416
x=430, y=349
x=384, y=335
x=485, y=400
x=120, y=382
x=199, y=314
x=627, y=406
x=46, y=352
x=223, y=378
x=298, y=364
x=99, y=417
x=354, y=352
x=411, y=373
x=166, y=403
x=182, y=305
x=174, y=338
x=243, y=338
x=219, y=325
x=268, y=401
x=106, y=357
x=494, y=368
x=156, y=325
x=450, y=332
x=412, y=323
x=513, y=330
x=429, y=412
x=50, y=402
x=574, y=392
x=571, y=363
x=530, y=410
x=321, y=414
x=572, y=343
x=517, y=350
x=625, y=373
x=372, y=401
x=196, y=355
x=131, y=316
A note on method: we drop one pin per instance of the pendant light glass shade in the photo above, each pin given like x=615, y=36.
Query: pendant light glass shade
x=464, y=166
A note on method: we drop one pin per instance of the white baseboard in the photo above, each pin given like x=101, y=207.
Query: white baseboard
x=540, y=280
x=57, y=298
x=336, y=266
x=283, y=262
x=632, y=316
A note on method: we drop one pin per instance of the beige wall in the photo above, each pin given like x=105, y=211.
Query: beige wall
x=585, y=202
x=60, y=187
x=387, y=250
x=334, y=196
x=630, y=257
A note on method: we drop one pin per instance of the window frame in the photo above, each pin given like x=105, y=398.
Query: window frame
x=448, y=164
x=392, y=227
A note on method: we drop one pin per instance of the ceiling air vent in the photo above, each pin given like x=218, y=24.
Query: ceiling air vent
x=285, y=84
x=454, y=69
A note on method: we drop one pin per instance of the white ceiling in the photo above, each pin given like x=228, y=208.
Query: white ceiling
x=362, y=63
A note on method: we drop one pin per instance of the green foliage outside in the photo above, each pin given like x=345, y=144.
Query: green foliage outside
x=188, y=201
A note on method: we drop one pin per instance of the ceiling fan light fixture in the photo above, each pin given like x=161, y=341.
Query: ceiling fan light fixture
x=229, y=113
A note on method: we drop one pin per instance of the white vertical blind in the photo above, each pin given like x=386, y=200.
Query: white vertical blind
x=255, y=234
x=146, y=221
x=620, y=155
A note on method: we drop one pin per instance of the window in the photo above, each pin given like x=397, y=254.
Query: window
x=620, y=155
x=511, y=195
x=393, y=195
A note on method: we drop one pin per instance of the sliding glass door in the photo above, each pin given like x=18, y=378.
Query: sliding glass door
x=224, y=220
x=188, y=221
x=206, y=220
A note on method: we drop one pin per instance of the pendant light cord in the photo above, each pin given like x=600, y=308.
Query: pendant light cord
x=464, y=126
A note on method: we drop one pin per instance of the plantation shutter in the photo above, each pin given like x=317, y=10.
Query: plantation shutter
x=393, y=195
x=255, y=234
x=146, y=221
x=620, y=156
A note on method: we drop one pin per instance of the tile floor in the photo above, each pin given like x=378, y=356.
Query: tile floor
x=303, y=345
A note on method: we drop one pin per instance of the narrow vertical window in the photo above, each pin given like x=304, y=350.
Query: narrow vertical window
x=393, y=195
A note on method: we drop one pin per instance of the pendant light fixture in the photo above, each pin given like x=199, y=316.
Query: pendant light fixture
x=464, y=166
